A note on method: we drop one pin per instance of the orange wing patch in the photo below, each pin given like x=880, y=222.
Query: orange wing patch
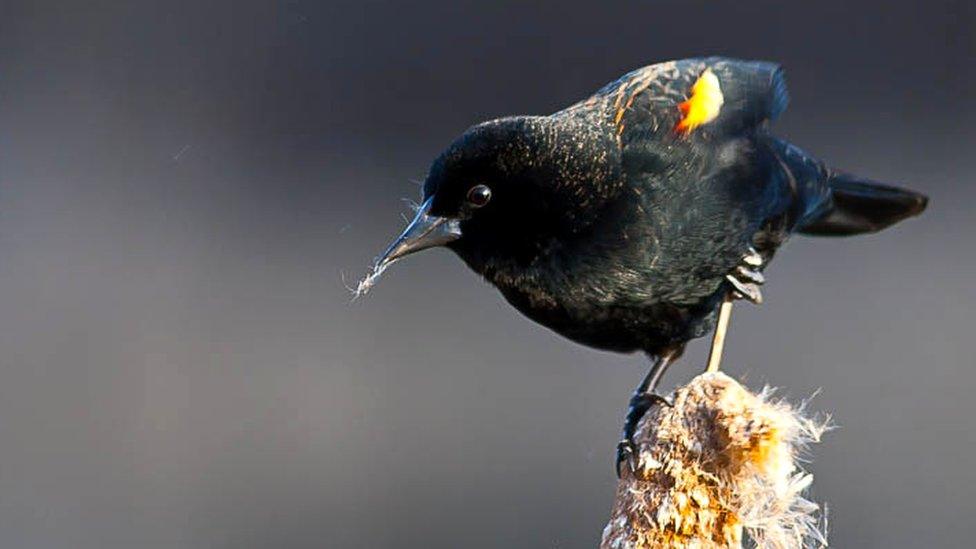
x=704, y=104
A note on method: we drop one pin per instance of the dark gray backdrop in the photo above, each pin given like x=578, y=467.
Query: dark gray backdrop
x=183, y=187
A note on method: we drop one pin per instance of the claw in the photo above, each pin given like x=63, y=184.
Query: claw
x=751, y=275
x=627, y=452
x=626, y=449
x=746, y=290
x=746, y=278
x=753, y=258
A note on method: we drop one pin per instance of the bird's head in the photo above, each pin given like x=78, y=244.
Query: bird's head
x=506, y=190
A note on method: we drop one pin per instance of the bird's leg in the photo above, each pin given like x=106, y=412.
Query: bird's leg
x=644, y=397
x=746, y=280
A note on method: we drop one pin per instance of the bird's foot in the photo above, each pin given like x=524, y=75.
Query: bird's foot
x=746, y=278
x=627, y=451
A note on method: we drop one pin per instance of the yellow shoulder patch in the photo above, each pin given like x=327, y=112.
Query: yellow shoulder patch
x=703, y=105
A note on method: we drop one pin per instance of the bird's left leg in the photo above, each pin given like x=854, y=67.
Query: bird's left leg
x=745, y=280
x=642, y=401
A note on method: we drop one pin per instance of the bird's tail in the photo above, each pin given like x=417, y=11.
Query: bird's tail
x=860, y=206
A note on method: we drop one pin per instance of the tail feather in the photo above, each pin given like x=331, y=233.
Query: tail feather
x=862, y=206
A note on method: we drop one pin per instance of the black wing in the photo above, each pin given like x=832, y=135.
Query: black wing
x=706, y=191
x=647, y=102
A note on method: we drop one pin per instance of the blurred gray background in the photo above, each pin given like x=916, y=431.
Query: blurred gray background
x=186, y=189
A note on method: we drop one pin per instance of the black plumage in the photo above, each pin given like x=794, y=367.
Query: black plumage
x=612, y=228
x=618, y=225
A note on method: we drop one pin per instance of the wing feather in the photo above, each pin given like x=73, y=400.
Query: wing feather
x=655, y=99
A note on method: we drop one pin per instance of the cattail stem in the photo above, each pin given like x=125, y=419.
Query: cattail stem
x=718, y=338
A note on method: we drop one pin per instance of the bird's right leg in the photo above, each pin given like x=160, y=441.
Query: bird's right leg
x=642, y=401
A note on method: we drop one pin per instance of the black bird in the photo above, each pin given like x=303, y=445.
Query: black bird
x=629, y=220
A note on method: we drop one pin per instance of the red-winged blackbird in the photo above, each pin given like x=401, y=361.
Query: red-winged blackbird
x=624, y=221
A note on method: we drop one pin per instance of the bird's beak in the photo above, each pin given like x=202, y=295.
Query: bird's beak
x=425, y=231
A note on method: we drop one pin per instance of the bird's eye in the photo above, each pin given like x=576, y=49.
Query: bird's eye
x=479, y=195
